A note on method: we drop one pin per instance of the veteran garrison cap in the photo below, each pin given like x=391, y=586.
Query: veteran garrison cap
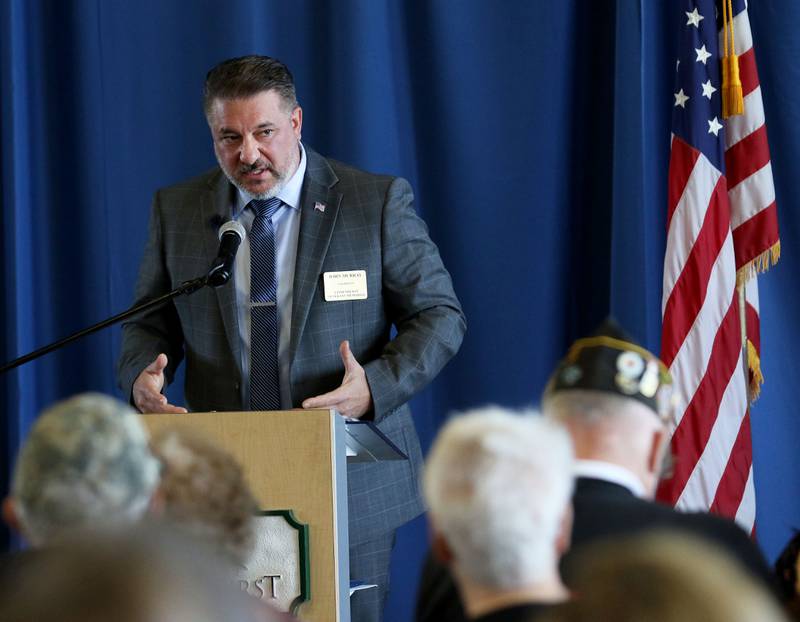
x=610, y=361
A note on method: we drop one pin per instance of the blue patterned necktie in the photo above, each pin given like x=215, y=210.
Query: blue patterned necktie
x=265, y=393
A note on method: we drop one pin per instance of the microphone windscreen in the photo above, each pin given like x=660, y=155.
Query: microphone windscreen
x=232, y=226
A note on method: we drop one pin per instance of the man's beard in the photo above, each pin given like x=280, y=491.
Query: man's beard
x=280, y=180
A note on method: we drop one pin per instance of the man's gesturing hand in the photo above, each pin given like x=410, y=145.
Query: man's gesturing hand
x=147, y=389
x=353, y=398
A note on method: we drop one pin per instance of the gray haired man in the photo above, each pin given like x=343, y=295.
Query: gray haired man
x=85, y=465
x=498, y=486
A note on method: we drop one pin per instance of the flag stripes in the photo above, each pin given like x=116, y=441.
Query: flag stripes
x=746, y=157
x=734, y=480
x=751, y=236
x=722, y=229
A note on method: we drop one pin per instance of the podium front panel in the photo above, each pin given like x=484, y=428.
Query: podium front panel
x=293, y=460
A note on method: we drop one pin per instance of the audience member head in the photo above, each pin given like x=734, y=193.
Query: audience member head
x=148, y=574
x=663, y=577
x=498, y=487
x=85, y=465
x=204, y=492
x=788, y=575
x=614, y=398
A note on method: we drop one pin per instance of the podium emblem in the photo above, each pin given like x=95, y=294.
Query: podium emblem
x=278, y=569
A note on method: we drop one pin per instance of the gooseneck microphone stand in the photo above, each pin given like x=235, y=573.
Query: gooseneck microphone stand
x=231, y=235
x=185, y=288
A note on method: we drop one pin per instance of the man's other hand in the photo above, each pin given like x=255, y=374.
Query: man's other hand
x=353, y=398
x=146, y=390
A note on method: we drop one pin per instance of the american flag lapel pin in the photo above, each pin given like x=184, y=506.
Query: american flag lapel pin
x=319, y=207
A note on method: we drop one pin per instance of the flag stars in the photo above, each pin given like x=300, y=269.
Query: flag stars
x=714, y=126
x=681, y=98
x=694, y=18
x=708, y=90
x=702, y=54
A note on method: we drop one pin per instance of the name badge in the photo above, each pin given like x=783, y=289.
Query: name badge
x=347, y=285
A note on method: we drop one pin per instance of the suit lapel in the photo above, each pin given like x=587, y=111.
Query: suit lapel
x=216, y=210
x=319, y=205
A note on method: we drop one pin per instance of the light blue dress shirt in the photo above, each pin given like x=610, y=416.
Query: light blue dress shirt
x=286, y=222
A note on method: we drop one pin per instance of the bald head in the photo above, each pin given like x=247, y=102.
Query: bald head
x=611, y=428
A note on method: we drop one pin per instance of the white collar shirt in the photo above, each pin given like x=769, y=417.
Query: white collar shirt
x=286, y=222
x=609, y=472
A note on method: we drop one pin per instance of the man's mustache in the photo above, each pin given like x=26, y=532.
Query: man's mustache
x=259, y=164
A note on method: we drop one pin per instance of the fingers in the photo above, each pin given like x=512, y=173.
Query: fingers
x=352, y=398
x=149, y=401
x=335, y=397
x=173, y=410
x=156, y=404
x=326, y=400
x=350, y=363
x=147, y=389
x=159, y=365
x=345, y=353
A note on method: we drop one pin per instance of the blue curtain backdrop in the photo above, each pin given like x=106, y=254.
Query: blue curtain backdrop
x=535, y=134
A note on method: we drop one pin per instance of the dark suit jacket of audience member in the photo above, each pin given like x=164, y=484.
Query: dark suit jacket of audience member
x=604, y=509
x=518, y=613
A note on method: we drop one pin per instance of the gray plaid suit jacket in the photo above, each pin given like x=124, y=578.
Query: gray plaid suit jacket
x=369, y=223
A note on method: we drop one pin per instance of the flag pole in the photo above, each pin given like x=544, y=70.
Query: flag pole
x=743, y=328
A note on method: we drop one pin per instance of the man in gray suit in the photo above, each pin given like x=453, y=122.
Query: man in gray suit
x=332, y=346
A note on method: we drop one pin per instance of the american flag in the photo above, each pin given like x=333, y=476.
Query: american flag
x=722, y=230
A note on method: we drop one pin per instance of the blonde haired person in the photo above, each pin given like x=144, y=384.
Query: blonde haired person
x=663, y=577
x=204, y=493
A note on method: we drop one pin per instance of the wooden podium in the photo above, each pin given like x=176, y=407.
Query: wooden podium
x=293, y=460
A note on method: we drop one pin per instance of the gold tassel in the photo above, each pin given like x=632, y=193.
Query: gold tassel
x=732, y=99
x=754, y=364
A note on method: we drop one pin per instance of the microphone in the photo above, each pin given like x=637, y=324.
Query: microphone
x=231, y=235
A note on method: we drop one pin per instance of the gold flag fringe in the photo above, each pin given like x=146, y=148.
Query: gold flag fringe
x=759, y=264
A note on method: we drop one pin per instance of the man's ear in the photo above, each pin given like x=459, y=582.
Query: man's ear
x=10, y=515
x=157, y=503
x=297, y=122
x=655, y=455
x=564, y=535
x=441, y=550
